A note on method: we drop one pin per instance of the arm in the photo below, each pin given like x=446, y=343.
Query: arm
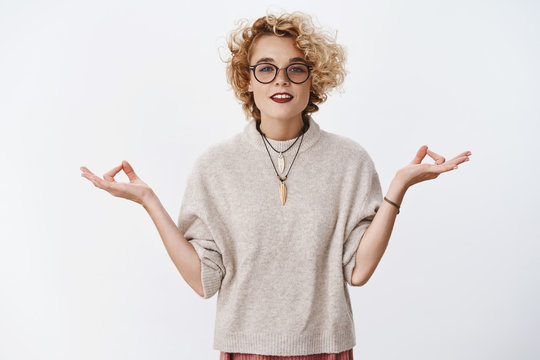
x=181, y=251
x=376, y=237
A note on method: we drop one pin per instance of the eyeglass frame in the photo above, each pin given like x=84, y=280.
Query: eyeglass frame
x=252, y=68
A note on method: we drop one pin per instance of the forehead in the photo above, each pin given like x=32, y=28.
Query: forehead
x=279, y=48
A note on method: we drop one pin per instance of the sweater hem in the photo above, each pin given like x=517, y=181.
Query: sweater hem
x=279, y=344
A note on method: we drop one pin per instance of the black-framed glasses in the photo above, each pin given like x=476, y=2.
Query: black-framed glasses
x=265, y=73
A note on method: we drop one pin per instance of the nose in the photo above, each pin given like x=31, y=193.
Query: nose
x=281, y=77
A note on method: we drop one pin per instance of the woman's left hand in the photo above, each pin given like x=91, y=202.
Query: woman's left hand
x=417, y=172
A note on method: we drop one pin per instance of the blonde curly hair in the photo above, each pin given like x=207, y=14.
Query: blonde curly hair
x=318, y=46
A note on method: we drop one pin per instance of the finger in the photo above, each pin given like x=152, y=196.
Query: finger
x=129, y=171
x=461, y=160
x=420, y=155
x=109, y=175
x=84, y=169
x=465, y=153
x=96, y=180
x=451, y=164
x=439, y=159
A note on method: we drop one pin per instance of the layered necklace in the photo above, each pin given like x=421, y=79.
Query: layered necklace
x=281, y=159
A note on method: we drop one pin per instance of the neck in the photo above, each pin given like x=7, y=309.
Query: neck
x=282, y=129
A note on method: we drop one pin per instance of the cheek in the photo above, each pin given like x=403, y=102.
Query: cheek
x=305, y=94
x=258, y=94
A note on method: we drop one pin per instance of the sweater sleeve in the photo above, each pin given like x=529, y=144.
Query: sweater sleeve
x=366, y=200
x=193, y=223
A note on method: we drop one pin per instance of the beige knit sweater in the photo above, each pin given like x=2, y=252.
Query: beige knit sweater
x=280, y=271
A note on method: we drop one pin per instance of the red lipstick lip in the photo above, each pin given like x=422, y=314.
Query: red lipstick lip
x=279, y=100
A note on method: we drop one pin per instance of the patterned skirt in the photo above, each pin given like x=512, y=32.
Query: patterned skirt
x=344, y=355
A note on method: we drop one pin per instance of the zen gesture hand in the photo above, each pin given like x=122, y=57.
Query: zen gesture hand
x=136, y=190
x=417, y=172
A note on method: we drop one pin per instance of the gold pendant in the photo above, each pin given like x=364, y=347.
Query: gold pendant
x=282, y=191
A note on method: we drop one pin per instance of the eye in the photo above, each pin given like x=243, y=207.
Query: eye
x=265, y=68
x=298, y=68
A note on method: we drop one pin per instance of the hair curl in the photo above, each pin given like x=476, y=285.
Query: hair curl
x=318, y=46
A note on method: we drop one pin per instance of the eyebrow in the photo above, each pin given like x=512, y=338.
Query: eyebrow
x=267, y=59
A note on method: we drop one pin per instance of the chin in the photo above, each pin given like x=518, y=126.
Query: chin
x=284, y=114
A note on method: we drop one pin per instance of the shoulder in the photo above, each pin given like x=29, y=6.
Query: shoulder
x=348, y=148
x=218, y=154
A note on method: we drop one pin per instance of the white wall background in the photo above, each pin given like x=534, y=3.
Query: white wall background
x=85, y=275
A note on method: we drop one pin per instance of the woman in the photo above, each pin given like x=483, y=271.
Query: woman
x=281, y=246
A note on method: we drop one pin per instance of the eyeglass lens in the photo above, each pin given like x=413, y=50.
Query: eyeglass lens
x=296, y=73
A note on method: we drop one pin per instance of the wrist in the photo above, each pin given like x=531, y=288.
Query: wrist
x=396, y=191
x=148, y=198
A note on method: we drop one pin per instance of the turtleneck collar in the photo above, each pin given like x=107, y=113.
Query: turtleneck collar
x=255, y=139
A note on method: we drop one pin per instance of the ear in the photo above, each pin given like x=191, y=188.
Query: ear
x=249, y=87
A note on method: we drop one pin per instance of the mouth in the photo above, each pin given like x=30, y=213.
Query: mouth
x=281, y=97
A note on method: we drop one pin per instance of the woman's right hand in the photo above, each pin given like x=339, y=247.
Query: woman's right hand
x=136, y=190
